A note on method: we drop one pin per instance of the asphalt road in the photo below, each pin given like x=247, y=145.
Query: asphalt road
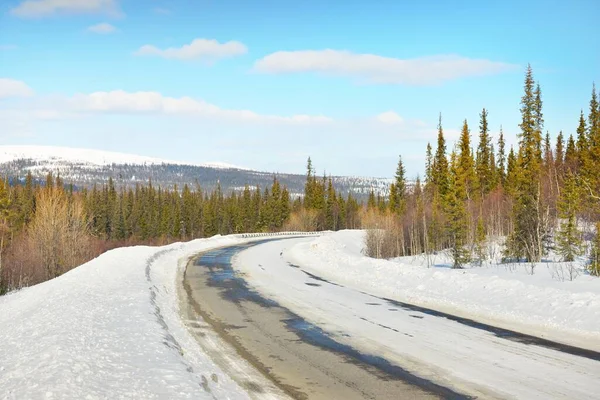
x=312, y=339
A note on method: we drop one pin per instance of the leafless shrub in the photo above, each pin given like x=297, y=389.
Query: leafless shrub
x=303, y=221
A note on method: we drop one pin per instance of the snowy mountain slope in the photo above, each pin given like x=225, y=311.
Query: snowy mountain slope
x=84, y=167
x=67, y=155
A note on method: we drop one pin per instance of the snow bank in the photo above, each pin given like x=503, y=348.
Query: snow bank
x=109, y=329
x=566, y=311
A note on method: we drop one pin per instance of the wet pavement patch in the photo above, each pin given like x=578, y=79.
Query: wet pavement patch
x=313, y=334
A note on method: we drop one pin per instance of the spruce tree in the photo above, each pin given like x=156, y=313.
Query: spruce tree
x=371, y=202
x=571, y=158
x=393, y=198
x=465, y=168
x=484, y=165
x=428, y=164
x=582, y=147
x=501, y=158
x=569, y=236
x=559, y=154
x=457, y=224
x=511, y=183
x=592, y=177
x=527, y=239
x=400, y=189
x=440, y=173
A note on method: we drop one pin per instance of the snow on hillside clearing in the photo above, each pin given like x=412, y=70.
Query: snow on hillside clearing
x=109, y=329
x=57, y=155
x=502, y=294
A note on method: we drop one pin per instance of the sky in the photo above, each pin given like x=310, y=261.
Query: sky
x=266, y=84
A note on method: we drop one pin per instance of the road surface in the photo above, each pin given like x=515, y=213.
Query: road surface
x=310, y=338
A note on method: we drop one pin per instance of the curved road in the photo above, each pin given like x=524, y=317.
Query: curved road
x=315, y=339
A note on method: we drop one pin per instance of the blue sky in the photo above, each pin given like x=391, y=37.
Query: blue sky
x=265, y=84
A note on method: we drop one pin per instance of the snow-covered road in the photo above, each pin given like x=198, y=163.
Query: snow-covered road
x=465, y=358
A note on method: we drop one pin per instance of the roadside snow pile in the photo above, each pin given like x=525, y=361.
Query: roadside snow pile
x=109, y=329
x=499, y=294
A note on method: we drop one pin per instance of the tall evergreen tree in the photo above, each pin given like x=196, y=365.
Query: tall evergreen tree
x=428, y=164
x=484, y=165
x=456, y=217
x=465, y=168
x=501, y=159
x=399, y=203
x=527, y=239
x=559, y=154
x=582, y=146
x=440, y=173
x=569, y=237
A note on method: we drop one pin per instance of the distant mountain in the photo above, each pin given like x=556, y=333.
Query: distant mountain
x=84, y=167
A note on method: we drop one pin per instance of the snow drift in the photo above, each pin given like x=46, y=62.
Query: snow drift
x=504, y=295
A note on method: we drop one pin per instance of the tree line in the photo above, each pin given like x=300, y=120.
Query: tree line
x=48, y=228
x=541, y=196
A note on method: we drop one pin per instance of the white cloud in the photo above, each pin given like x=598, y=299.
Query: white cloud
x=14, y=88
x=103, y=28
x=389, y=117
x=41, y=8
x=120, y=101
x=378, y=69
x=198, y=48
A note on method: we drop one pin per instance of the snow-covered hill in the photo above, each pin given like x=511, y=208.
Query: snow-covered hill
x=67, y=155
x=85, y=167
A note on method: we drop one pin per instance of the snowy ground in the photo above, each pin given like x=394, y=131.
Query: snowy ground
x=109, y=329
x=546, y=304
x=112, y=329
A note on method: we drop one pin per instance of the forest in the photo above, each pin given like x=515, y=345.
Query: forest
x=536, y=198
x=539, y=197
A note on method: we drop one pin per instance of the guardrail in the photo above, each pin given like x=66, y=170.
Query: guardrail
x=272, y=234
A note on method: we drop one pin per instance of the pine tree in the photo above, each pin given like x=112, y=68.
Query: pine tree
x=569, y=237
x=371, y=202
x=428, y=164
x=501, y=158
x=393, y=198
x=527, y=239
x=399, y=204
x=440, y=173
x=582, y=146
x=511, y=183
x=330, y=208
x=457, y=225
x=465, y=168
x=483, y=162
x=571, y=158
x=559, y=156
x=592, y=177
